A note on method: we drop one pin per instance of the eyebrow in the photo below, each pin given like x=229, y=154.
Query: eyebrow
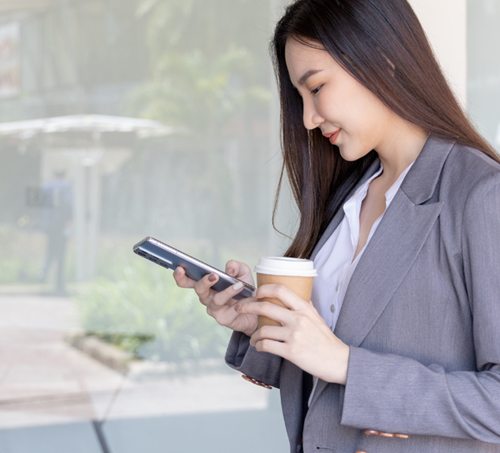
x=308, y=74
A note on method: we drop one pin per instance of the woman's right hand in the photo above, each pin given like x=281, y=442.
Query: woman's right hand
x=220, y=305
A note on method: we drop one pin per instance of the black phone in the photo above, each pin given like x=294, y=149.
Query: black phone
x=170, y=258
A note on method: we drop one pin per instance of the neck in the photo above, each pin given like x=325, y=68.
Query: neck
x=400, y=147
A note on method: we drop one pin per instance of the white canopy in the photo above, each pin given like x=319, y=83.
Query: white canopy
x=85, y=123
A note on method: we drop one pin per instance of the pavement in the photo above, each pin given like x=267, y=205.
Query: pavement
x=55, y=398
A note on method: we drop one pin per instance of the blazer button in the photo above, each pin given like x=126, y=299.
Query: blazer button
x=371, y=432
x=402, y=436
x=386, y=434
x=360, y=451
x=256, y=382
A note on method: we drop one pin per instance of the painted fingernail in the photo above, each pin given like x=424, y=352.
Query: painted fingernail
x=212, y=278
x=238, y=286
x=177, y=271
x=237, y=307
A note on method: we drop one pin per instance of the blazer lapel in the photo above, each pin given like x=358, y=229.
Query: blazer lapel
x=393, y=248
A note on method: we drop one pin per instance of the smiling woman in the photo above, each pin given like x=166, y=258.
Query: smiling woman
x=399, y=201
x=382, y=47
x=345, y=112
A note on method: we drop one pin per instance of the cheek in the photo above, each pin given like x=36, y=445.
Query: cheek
x=364, y=120
x=359, y=132
x=352, y=148
x=360, y=107
x=328, y=108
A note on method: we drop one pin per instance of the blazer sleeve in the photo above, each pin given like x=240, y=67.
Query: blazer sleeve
x=396, y=394
x=243, y=357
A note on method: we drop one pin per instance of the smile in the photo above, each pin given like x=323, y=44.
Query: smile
x=332, y=136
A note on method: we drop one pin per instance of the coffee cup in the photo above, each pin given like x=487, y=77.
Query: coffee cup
x=295, y=273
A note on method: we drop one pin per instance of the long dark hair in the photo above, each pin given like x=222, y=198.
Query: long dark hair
x=382, y=45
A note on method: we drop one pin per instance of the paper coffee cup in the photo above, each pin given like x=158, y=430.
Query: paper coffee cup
x=296, y=274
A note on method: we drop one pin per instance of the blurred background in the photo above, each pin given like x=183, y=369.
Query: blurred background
x=121, y=119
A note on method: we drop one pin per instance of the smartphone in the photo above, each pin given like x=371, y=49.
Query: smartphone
x=170, y=258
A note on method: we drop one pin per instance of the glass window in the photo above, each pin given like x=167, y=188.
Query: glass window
x=121, y=120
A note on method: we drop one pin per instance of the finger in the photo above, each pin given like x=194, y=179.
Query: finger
x=235, y=268
x=268, y=309
x=232, y=268
x=284, y=294
x=182, y=279
x=203, y=287
x=226, y=297
x=274, y=347
x=227, y=312
x=239, y=270
x=268, y=332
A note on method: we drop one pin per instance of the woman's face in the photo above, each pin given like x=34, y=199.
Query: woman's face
x=349, y=115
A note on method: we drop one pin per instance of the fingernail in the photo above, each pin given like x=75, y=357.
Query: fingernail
x=212, y=278
x=238, y=286
x=237, y=307
x=230, y=271
x=177, y=271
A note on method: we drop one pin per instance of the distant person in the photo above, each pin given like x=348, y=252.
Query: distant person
x=55, y=222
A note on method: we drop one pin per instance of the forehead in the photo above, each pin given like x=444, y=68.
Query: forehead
x=301, y=57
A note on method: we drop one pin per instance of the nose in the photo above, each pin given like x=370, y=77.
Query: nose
x=311, y=118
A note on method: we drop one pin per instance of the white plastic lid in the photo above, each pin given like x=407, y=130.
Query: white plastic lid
x=294, y=267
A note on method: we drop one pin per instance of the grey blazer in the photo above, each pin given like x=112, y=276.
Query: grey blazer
x=422, y=318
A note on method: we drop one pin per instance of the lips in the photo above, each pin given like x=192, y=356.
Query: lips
x=332, y=136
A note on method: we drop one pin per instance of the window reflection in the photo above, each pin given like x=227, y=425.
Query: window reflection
x=118, y=120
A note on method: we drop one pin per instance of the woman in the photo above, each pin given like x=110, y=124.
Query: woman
x=400, y=210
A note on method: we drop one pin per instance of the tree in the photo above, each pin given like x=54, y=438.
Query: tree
x=199, y=83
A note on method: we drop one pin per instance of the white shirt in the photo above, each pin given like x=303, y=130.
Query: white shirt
x=334, y=262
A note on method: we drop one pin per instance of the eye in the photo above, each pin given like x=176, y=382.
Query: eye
x=315, y=91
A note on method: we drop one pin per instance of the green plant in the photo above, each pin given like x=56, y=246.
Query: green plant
x=199, y=93
x=143, y=301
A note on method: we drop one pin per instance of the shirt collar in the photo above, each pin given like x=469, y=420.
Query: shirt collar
x=391, y=192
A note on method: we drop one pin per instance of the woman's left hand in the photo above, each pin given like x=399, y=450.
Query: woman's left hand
x=303, y=338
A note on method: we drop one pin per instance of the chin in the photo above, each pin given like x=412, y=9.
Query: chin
x=349, y=157
x=352, y=156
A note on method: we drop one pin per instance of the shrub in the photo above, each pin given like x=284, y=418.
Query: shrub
x=142, y=301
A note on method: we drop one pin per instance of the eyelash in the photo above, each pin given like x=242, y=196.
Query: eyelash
x=315, y=91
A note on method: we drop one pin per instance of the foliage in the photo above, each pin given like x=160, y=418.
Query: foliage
x=208, y=78
x=200, y=95
x=203, y=68
x=142, y=300
x=183, y=24
x=197, y=92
